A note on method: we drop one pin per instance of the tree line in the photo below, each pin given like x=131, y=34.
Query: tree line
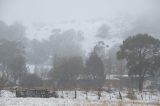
x=139, y=56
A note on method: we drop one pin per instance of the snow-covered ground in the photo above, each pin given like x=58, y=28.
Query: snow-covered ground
x=108, y=99
x=70, y=102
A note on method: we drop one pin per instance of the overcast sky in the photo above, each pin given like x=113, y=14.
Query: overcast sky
x=122, y=18
x=49, y=11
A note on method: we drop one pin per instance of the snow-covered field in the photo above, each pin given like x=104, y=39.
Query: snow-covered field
x=71, y=102
x=108, y=99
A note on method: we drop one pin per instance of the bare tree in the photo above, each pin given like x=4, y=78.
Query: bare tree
x=65, y=74
x=12, y=60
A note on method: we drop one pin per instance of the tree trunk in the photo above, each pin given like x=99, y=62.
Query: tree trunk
x=140, y=83
x=86, y=95
x=75, y=94
x=99, y=95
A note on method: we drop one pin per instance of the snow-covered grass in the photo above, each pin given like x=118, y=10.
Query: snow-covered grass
x=93, y=95
x=107, y=99
x=6, y=93
x=72, y=102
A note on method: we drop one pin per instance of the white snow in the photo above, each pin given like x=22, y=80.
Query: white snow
x=6, y=94
x=108, y=99
x=70, y=102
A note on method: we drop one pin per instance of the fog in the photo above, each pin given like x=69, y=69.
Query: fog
x=81, y=23
x=72, y=34
x=141, y=12
x=79, y=10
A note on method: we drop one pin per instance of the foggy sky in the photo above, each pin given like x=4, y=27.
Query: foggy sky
x=51, y=11
x=127, y=16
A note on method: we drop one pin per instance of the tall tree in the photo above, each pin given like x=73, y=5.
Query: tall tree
x=12, y=59
x=95, y=70
x=140, y=51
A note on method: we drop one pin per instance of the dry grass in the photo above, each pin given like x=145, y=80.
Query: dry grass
x=120, y=103
x=157, y=104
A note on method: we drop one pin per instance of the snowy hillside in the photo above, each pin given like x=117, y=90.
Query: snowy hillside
x=88, y=29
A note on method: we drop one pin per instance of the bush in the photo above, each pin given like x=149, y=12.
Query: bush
x=54, y=94
x=131, y=95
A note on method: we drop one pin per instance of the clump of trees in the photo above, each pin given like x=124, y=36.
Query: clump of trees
x=71, y=69
x=13, y=69
x=66, y=73
x=74, y=72
x=12, y=60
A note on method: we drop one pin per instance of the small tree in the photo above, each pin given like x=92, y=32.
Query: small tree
x=31, y=81
x=140, y=51
x=66, y=73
